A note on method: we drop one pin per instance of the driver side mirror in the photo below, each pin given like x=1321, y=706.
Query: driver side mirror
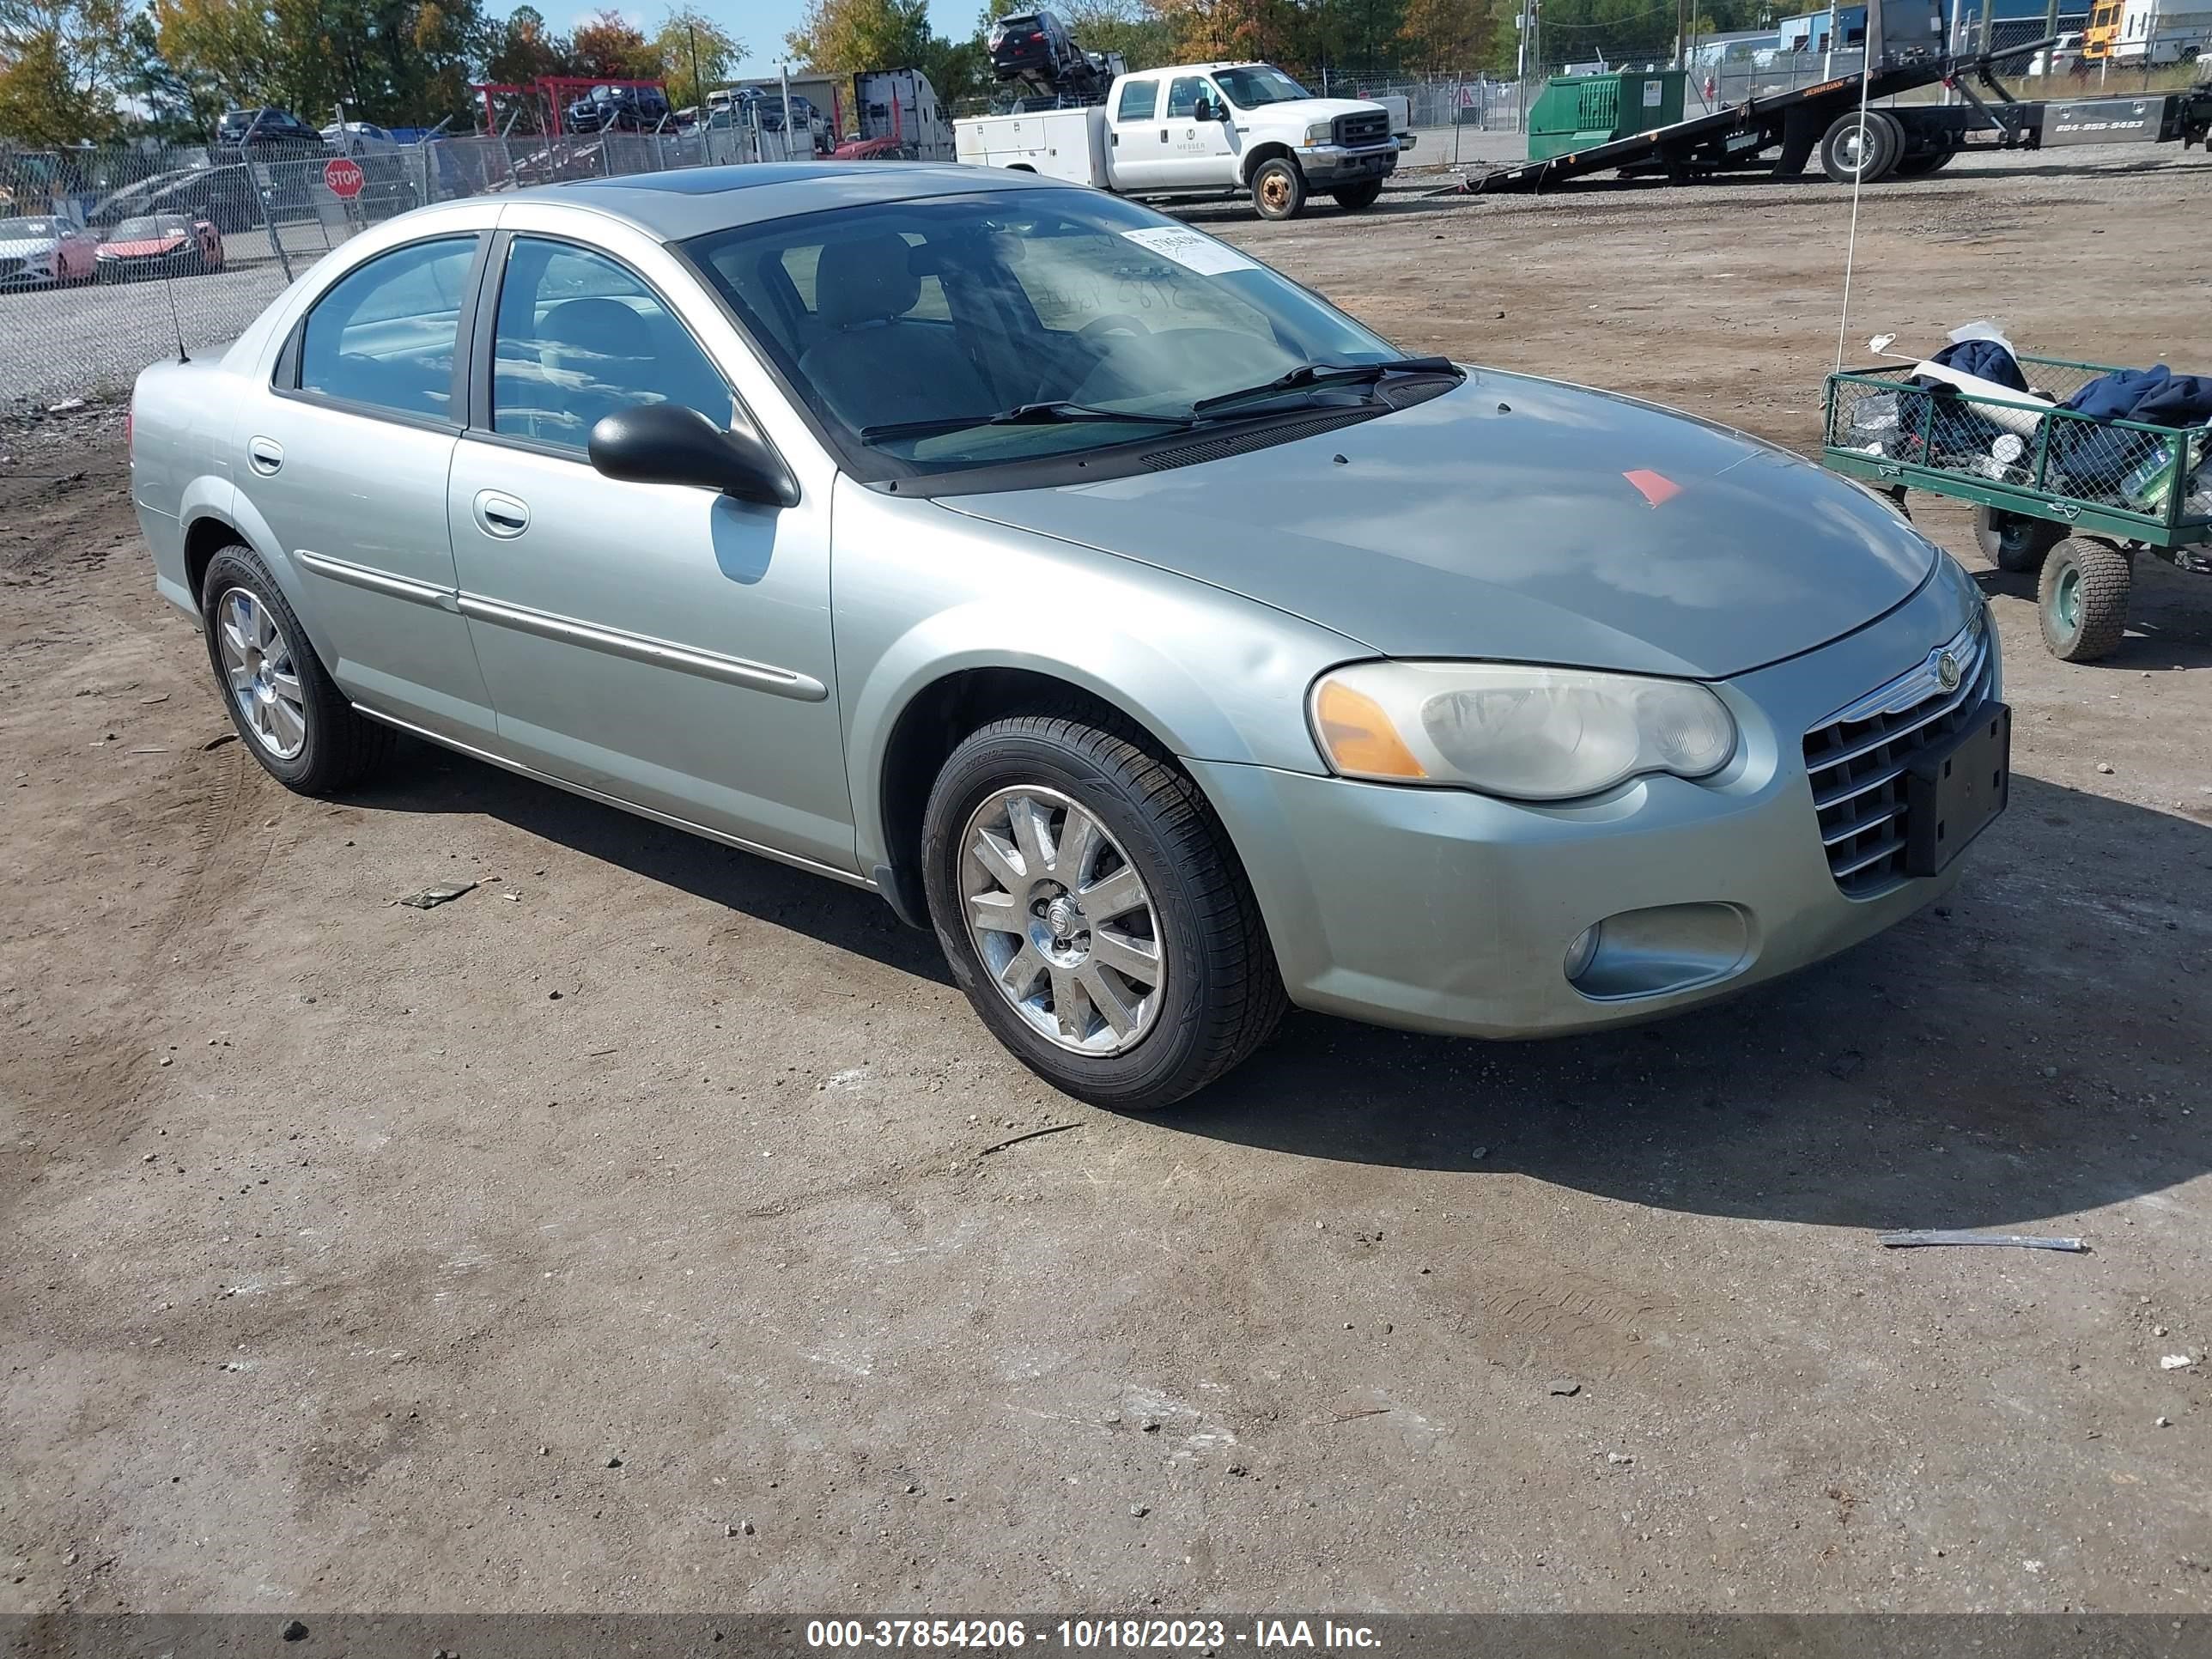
x=668, y=443
x=1214, y=109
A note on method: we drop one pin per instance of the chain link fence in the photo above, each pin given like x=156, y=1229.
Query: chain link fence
x=111, y=258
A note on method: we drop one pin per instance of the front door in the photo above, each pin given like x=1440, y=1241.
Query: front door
x=666, y=646
x=1195, y=153
x=344, y=454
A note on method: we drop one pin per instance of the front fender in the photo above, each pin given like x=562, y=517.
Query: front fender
x=925, y=592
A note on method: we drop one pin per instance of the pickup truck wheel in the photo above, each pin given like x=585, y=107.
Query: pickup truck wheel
x=2013, y=542
x=292, y=715
x=1353, y=197
x=1279, y=189
x=2083, y=598
x=1090, y=905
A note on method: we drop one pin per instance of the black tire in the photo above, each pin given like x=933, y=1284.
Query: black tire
x=1357, y=198
x=340, y=747
x=1279, y=189
x=1926, y=162
x=1221, y=994
x=2013, y=542
x=1884, y=138
x=2083, y=598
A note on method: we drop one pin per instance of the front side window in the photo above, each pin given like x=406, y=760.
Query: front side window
x=909, y=327
x=1138, y=100
x=1257, y=84
x=382, y=335
x=1183, y=94
x=579, y=338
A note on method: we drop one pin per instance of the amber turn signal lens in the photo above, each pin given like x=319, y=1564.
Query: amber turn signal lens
x=1357, y=737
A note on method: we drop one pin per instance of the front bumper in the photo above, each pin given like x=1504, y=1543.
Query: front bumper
x=1335, y=164
x=1442, y=911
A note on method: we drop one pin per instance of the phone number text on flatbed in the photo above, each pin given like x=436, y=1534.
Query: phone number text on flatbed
x=1078, y=1635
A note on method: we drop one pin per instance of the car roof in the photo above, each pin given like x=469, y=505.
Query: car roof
x=689, y=201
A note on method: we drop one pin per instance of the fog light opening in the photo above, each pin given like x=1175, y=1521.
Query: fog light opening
x=1582, y=950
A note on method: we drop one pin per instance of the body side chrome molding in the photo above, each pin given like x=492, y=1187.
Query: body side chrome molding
x=798, y=861
x=377, y=581
x=639, y=647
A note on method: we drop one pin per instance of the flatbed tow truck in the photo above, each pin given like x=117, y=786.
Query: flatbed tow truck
x=1882, y=141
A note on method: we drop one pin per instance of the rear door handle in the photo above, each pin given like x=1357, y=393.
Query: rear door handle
x=501, y=515
x=264, y=454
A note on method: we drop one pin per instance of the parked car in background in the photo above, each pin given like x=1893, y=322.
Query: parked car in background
x=265, y=125
x=44, y=252
x=160, y=245
x=618, y=109
x=359, y=138
x=1147, y=628
x=1034, y=46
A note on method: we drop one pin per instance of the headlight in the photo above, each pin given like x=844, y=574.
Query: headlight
x=1320, y=132
x=1527, y=734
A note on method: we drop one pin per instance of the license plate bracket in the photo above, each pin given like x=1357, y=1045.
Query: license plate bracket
x=1954, y=793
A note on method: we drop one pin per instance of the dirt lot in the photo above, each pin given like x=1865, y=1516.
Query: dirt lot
x=351, y=1246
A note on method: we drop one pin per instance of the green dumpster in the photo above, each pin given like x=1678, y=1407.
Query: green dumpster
x=1578, y=111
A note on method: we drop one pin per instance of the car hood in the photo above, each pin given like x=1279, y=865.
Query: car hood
x=21, y=248
x=1518, y=519
x=1308, y=109
x=174, y=239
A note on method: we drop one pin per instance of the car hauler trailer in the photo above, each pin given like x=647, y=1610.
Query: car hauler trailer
x=1899, y=141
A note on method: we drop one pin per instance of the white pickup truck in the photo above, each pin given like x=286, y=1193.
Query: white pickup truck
x=1200, y=129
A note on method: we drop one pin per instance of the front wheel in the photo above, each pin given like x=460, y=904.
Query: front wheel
x=1090, y=905
x=1279, y=189
x=2083, y=598
x=1353, y=199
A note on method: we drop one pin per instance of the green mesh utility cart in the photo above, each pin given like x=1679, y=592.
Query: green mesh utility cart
x=1578, y=111
x=2065, y=496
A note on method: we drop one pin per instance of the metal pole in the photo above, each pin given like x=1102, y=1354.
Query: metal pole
x=699, y=87
x=784, y=69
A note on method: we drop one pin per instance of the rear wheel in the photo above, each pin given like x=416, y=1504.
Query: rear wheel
x=291, y=713
x=2013, y=542
x=2083, y=598
x=1353, y=199
x=1090, y=905
x=1279, y=189
x=1861, y=150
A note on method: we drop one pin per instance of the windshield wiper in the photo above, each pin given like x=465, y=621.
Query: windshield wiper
x=1046, y=414
x=1320, y=374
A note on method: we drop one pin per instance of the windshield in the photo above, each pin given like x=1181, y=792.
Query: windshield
x=1256, y=84
x=945, y=312
x=14, y=229
x=161, y=224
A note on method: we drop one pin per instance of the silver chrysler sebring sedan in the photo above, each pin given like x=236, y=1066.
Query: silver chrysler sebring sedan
x=1163, y=639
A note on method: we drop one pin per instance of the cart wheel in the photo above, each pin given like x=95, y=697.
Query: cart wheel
x=2013, y=542
x=2084, y=599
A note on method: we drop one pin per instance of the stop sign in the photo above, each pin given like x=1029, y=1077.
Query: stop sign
x=344, y=178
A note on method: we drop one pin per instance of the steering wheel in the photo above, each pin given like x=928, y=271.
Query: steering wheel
x=1114, y=322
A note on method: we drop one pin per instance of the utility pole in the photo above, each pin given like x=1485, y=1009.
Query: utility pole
x=699, y=91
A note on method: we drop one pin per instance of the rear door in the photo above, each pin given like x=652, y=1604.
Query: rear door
x=666, y=646
x=1136, y=142
x=344, y=454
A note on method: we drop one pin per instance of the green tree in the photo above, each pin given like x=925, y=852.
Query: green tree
x=1448, y=37
x=697, y=54
x=841, y=37
x=62, y=65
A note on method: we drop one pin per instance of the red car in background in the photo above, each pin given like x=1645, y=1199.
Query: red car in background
x=158, y=245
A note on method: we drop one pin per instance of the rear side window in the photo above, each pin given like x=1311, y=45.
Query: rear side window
x=1138, y=100
x=581, y=338
x=384, y=335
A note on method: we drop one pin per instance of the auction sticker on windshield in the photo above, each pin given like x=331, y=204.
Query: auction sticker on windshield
x=1192, y=250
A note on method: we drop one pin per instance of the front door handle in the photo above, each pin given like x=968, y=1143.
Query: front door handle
x=501, y=515
x=265, y=455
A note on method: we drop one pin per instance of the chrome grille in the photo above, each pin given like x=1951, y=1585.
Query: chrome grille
x=1362, y=127
x=1856, y=759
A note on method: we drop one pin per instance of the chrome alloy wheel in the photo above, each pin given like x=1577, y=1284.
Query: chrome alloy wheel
x=1061, y=921
x=264, y=679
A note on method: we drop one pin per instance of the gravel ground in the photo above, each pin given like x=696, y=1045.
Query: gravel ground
x=639, y=1230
